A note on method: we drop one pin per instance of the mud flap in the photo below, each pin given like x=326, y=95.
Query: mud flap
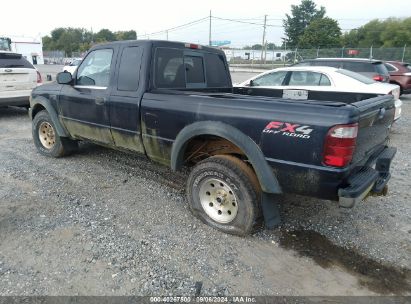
x=271, y=212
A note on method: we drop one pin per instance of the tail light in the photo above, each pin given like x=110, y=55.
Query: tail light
x=193, y=46
x=39, y=77
x=340, y=145
x=378, y=78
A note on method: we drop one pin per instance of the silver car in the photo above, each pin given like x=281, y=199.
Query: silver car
x=17, y=78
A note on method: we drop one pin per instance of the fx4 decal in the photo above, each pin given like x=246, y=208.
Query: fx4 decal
x=288, y=129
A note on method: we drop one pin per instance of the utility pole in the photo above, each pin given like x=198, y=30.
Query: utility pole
x=209, y=32
x=263, y=44
x=167, y=34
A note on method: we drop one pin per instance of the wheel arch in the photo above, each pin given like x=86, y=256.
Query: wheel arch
x=40, y=103
x=251, y=150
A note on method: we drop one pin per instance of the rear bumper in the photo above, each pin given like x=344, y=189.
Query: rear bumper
x=367, y=180
x=15, y=101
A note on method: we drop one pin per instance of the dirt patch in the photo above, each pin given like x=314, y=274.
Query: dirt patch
x=376, y=276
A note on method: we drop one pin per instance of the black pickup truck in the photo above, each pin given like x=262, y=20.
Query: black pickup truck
x=174, y=103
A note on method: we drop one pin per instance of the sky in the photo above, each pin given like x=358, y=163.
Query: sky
x=152, y=16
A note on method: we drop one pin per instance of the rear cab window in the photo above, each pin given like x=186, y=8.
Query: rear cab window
x=14, y=60
x=179, y=69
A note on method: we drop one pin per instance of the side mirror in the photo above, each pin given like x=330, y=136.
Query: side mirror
x=251, y=83
x=64, y=78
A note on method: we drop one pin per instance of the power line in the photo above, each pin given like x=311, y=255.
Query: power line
x=176, y=27
x=246, y=22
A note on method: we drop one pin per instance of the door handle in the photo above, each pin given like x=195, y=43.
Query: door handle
x=100, y=100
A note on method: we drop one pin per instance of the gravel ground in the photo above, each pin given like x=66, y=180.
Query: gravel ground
x=103, y=222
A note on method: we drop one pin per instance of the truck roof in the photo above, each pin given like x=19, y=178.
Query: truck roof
x=162, y=43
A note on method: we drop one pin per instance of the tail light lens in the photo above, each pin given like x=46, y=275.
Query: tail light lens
x=340, y=145
x=39, y=77
x=193, y=46
x=378, y=78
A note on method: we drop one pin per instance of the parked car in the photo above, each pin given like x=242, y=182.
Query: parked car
x=174, y=103
x=17, y=78
x=322, y=78
x=71, y=68
x=400, y=74
x=374, y=69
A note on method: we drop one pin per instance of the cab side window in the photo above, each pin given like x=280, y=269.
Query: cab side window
x=95, y=69
x=129, y=71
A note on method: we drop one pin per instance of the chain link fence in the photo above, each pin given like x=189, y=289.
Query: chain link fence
x=59, y=57
x=257, y=59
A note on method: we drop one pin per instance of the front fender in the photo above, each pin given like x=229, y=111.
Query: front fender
x=40, y=101
x=265, y=175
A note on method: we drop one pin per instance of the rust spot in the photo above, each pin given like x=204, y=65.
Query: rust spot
x=202, y=147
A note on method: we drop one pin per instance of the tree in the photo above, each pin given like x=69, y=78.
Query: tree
x=257, y=47
x=271, y=46
x=104, y=35
x=392, y=32
x=301, y=16
x=72, y=40
x=126, y=35
x=323, y=32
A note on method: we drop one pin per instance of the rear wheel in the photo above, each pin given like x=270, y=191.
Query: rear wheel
x=46, y=139
x=223, y=194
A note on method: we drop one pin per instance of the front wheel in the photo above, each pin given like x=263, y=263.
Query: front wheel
x=223, y=194
x=46, y=139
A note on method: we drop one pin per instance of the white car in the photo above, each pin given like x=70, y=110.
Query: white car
x=17, y=78
x=71, y=68
x=315, y=78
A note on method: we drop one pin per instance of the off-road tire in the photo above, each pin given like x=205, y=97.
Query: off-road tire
x=244, y=184
x=62, y=146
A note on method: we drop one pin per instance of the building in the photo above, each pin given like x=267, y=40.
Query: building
x=241, y=54
x=30, y=48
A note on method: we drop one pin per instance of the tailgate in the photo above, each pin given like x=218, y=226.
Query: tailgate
x=376, y=118
x=17, y=79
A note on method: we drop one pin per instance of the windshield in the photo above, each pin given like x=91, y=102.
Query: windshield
x=356, y=76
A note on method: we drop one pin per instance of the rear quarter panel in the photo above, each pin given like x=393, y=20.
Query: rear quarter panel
x=290, y=134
